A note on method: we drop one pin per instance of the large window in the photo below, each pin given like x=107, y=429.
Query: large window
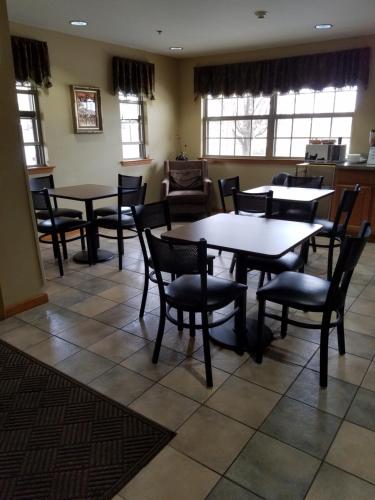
x=278, y=126
x=132, y=127
x=28, y=105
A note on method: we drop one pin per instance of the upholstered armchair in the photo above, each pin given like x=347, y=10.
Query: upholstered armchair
x=187, y=187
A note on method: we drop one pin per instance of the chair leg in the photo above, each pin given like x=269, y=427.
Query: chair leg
x=313, y=243
x=330, y=259
x=192, y=324
x=206, y=350
x=89, y=249
x=284, y=321
x=232, y=264
x=63, y=244
x=210, y=267
x=83, y=247
x=120, y=248
x=341, y=332
x=180, y=320
x=269, y=276
x=145, y=292
x=260, y=328
x=159, y=336
x=324, y=334
x=220, y=251
x=56, y=249
x=262, y=275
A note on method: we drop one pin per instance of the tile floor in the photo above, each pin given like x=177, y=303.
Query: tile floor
x=263, y=431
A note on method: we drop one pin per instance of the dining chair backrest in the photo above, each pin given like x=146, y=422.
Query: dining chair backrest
x=302, y=211
x=225, y=189
x=345, y=209
x=350, y=253
x=39, y=183
x=129, y=197
x=304, y=182
x=279, y=179
x=252, y=203
x=42, y=201
x=178, y=259
x=129, y=181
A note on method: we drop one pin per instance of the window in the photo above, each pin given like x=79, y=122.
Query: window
x=28, y=105
x=277, y=126
x=132, y=127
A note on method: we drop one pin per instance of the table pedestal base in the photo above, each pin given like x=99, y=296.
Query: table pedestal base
x=225, y=336
x=101, y=256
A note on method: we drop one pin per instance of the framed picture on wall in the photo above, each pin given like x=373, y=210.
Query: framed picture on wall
x=87, y=113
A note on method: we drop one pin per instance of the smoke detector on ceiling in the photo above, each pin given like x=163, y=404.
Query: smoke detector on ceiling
x=261, y=14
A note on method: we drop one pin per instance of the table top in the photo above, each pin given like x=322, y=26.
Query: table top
x=293, y=193
x=252, y=235
x=84, y=192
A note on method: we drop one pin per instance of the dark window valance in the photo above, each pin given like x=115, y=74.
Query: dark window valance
x=133, y=77
x=31, y=61
x=316, y=71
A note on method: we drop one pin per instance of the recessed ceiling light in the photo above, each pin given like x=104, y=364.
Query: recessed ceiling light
x=78, y=23
x=176, y=48
x=323, y=26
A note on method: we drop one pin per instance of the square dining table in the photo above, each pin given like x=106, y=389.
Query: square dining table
x=88, y=193
x=244, y=236
x=293, y=193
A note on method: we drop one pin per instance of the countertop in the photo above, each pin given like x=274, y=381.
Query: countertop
x=342, y=165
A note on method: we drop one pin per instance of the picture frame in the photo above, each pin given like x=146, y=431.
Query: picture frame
x=86, y=108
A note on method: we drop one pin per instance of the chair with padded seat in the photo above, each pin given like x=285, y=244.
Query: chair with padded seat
x=121, y=220
x=57, y=226
x=315, y=182
x=187, y=187
x=310, y=293
x=335, y=230
x=226, y=185
x=193, y=290
x=124, y=181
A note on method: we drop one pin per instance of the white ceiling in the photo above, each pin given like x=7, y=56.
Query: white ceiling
x=200, y=26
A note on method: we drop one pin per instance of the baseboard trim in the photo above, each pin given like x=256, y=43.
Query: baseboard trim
x=25, y=305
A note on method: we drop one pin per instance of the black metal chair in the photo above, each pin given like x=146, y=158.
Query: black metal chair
x=121, y=221
x=193, y=290
x=310, y=293
x=335, y=230
x=291, y=261
x=304, y=182
x=58, y=226
x=124, y=181
x=225, y=189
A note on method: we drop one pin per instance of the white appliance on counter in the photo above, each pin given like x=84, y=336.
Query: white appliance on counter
x=325, y=152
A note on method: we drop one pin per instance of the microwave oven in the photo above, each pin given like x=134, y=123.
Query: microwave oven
x=325, y=152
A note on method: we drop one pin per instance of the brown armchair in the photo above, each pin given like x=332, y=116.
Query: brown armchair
x=187, y=187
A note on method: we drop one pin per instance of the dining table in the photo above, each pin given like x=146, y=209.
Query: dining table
x=244, y=236
x=88, y=193
x=293, y=193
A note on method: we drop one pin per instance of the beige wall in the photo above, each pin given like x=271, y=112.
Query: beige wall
x=94, y=158
x=190, y=124
x=21, y=276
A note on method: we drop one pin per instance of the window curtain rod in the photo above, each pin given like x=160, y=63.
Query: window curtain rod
x=315, y=71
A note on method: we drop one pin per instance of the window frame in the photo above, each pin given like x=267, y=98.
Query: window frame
x=272, y=118
x=124, y=98
x=35, y=116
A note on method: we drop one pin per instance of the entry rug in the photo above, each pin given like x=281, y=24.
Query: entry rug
x=62, y=440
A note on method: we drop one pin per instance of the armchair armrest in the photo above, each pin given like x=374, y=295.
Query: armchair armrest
x=164, y=188
x=207, y=185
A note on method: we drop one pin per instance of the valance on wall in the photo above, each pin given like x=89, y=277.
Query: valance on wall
x=316, y=71
x=133, y=77
x=31, y=61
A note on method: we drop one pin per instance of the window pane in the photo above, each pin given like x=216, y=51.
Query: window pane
x=299, y=147
x=301, y=127
x=213, y=146
x=321, y=127
x=30, y=155
x=285, y=104
x=282, y=147
x=284, y=127
x=245, y=106
x=262, y=105
x=129, y=111
x=258, y=147
x=227, y=128
x=243, y=128
x=242, y=147
x=230, y=106
x=130, y=151
x=130, y=132
x=214, y=107
x=341, y=127
x=345, y=101
x=259, y=128
x=28, y=130
x=227, y=147
x=304, y=103
x=25, y=102
x=214, y=129
x=324, y=102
